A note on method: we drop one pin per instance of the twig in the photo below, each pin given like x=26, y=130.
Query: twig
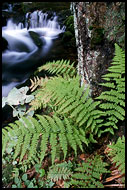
x=14, y=109
x=115, y=185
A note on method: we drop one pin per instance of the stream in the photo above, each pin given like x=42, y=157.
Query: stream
x=23, y=55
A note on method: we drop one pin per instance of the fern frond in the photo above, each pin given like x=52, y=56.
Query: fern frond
x=43, y=146
x=31, y=137
x=77, y=139
x=117, y=153
x=88, y=175
x=59, y=68
x=33, y=148
x=58, y=172
x=35, y=83
x=53, y=142
x=70, y=136
x=113, y=100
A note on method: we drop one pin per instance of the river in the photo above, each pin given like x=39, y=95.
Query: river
x=19, y=60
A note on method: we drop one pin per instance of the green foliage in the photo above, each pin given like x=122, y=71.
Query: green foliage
x=30, y=136
x=59, y=171
x=60, y=67
x=6, y=173
x=70, y=100
x=68, y=37
x=89, y=173
x=74, y=120
x=113, y=100
x=69, y=22
x=24, y=179
x=17, y=96
x=117, y=153
x=17, y=99
x=39, y=170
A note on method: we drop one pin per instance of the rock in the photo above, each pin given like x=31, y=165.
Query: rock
x=67, y=36
x=4, y=44
x=36, y=39
x=4, y=22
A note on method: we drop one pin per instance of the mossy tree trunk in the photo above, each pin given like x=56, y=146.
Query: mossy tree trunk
x=98, y=25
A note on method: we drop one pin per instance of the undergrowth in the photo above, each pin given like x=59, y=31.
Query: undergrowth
x=73, y=122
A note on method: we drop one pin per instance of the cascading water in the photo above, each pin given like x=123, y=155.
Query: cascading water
x=22, y=52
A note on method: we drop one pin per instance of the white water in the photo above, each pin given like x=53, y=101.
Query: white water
x=21, y=48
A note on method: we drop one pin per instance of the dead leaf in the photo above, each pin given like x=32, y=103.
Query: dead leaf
x=60, y=183
x=112, y=178
x=82, y=157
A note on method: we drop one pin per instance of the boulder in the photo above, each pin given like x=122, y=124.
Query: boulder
x=67, y=36
x=36, y=39
x=4, y=44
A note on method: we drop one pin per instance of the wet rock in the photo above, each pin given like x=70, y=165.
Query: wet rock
x=67, y=36
x=4, y=21
x=68, y=39
x=50, y=14
x=36, y=39
x=4, y=44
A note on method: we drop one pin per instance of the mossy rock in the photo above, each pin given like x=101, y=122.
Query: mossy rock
x=73, y=42
x=67, y=36
x=4, y=44
x=36, y=39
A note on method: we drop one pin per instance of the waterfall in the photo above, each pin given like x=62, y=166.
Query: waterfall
x=38, y=19
x=22, y=52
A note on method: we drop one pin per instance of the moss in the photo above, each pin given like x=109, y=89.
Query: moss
x=115, y=24
x=69, y=23
x=91, y=27
x=97, y=36
x=7, y=174
x=73, y=42
x=67, y=36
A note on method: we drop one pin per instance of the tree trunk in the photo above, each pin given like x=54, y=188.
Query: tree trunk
x=98, y=25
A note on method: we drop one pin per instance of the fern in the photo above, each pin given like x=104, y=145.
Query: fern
x=35, y=83
x=32, y=137
x=77, y=118
x=117, y=153
x=59, y=171
x=59, y=67
x=69, y=99
x=39, y=93
x=113, y=100
x=88, y=175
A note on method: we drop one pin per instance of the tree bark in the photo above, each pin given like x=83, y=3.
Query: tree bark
x=95, y=32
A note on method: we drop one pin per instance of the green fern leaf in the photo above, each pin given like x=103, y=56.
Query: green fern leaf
x=53, y=142
x=59, y=67
x=59, y=172
x=117, y=153
x=43, y=146
x=25, y=145
x=88, y=175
